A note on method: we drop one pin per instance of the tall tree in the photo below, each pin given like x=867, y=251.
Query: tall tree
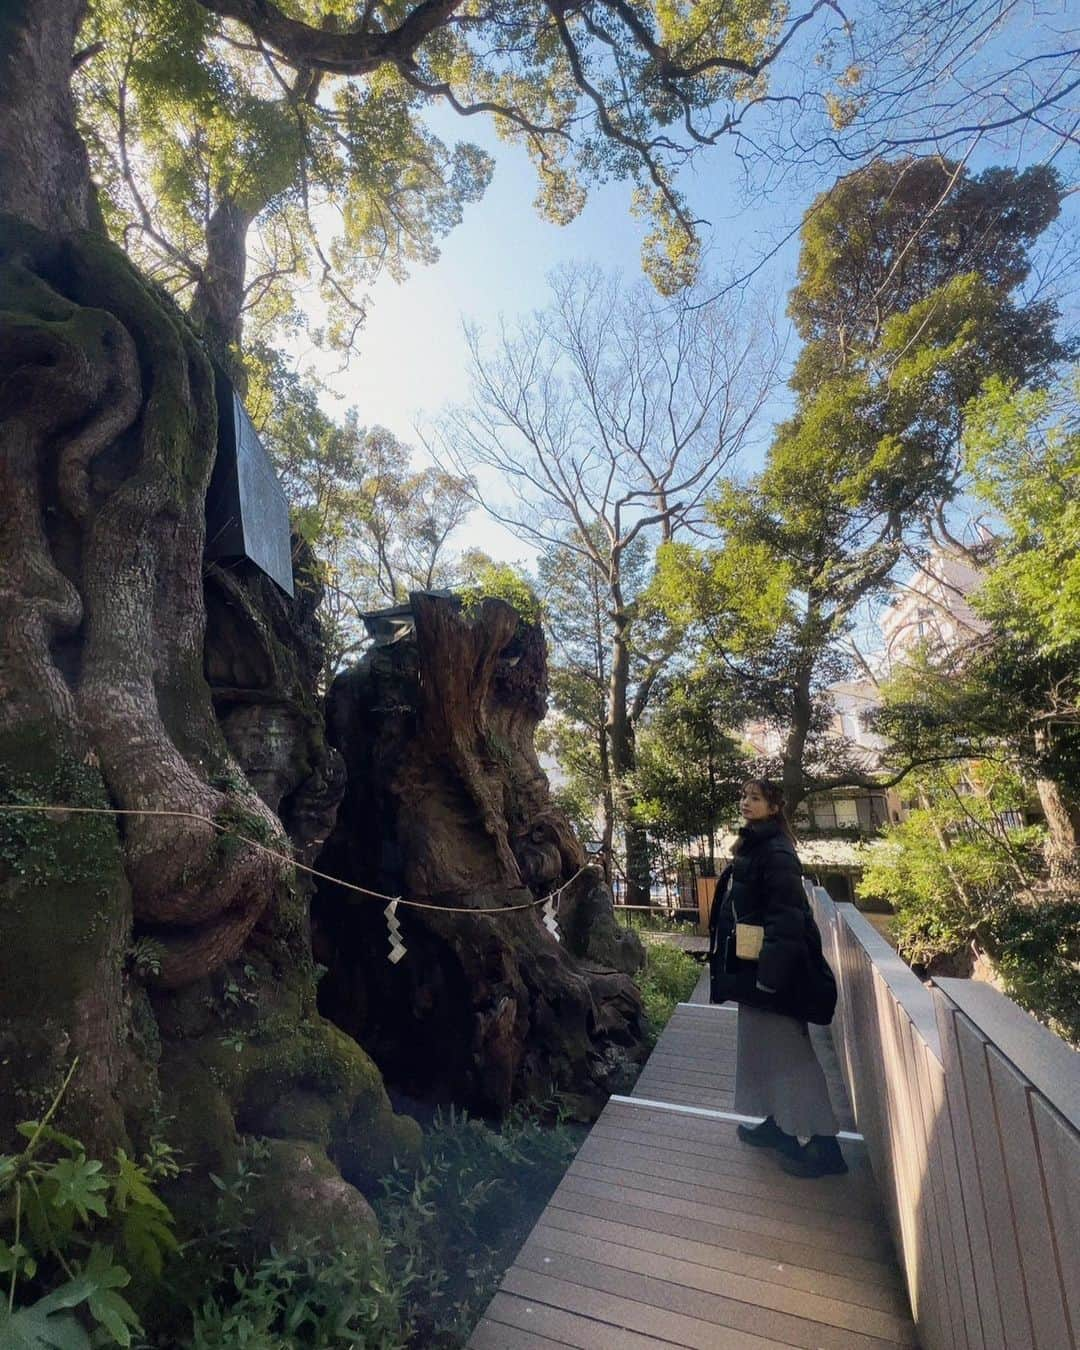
x=897, y=346
x=577, y=617
x=1024, y=454
x=380, y=527
x=236, y=179
x=610, y=417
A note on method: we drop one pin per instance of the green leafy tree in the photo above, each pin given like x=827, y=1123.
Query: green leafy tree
x=479, y=576
x=690, y=765
x=379, y=526
x=1024, y=456
x=581, y=630
x=895, y=353
x=236, y=179
x=890, y=235
x=1016, y=690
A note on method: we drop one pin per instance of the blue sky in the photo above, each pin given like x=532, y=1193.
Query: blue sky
x=411, y=357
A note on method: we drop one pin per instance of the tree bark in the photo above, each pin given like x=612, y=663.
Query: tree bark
x=621, y=739
x=218, y=301
x=1062, y=822
x=793, y=773
x=447, y=805
x=44, y=168
x=118, y=929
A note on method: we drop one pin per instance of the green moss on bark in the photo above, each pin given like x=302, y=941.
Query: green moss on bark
x=66, y=914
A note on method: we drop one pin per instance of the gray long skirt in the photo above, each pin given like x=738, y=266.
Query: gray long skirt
x=777, y=1074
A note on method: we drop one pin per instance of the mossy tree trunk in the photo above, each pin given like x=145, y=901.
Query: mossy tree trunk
x=123, y=934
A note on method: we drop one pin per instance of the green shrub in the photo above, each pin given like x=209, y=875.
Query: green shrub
x=1034, y=941
x=655, y=921
x=455, y=1222
x=669, y=978
x=313, y=1295
x=959, y=883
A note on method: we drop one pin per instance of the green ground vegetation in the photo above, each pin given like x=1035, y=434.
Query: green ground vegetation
x=669, y=978
x=91, y=1255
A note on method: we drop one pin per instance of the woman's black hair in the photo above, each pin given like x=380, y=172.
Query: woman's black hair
x=774, y=796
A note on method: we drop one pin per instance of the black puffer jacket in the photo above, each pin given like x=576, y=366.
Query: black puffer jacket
x=766, y=889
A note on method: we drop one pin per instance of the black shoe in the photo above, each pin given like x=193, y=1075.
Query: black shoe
x=821, y=1157
x=769, y=1135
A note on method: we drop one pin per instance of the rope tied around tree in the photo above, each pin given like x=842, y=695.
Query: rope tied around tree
x=58, y=809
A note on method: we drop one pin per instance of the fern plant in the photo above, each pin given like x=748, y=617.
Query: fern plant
x=62, y=1215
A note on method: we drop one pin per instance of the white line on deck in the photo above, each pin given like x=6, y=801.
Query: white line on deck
x=709, y=1115
x=712, y=1007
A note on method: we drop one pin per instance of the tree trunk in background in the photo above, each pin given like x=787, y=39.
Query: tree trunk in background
x=218, y=301
x=1063, y=833
x=607, y=807
x=44, y=169
x=793, y=774
x=447, y=804
x=621, y=739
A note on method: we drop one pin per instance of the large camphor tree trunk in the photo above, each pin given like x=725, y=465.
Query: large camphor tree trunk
x=123, y=933
x=447, y=805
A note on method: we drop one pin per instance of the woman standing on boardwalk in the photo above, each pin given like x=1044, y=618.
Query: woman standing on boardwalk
x=765, y=954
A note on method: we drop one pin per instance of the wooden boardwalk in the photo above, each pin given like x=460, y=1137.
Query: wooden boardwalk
x=667, y=1231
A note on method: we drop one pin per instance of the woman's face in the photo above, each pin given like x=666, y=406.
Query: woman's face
x=753, y=804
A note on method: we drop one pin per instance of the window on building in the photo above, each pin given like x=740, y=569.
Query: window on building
x=824, y=814
x=847, y=813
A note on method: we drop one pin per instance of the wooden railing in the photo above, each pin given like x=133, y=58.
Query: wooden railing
x=971, y=1113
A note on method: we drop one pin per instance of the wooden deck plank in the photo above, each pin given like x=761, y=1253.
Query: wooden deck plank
x=711, y=1171
x=721, y=1229
x=829, y=1194
x=790, y=1240
x=675, y=1242
x=667, y=1230
x=817, y=1222
x=629, y=1313
x=665, y=1091
x=679, y=1076
x=533, y=1316
x=650, y=1126
x=707, y=1279
x=682, y=1069
x=491, y=1335
x=702, y=1040
x=724, y=1066
x=731, y=1314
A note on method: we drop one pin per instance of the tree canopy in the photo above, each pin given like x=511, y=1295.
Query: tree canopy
x=897, y=347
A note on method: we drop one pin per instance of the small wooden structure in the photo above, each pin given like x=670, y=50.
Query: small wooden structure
x=706, y=891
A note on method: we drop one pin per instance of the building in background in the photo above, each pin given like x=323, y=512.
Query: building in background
x=931, y=608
